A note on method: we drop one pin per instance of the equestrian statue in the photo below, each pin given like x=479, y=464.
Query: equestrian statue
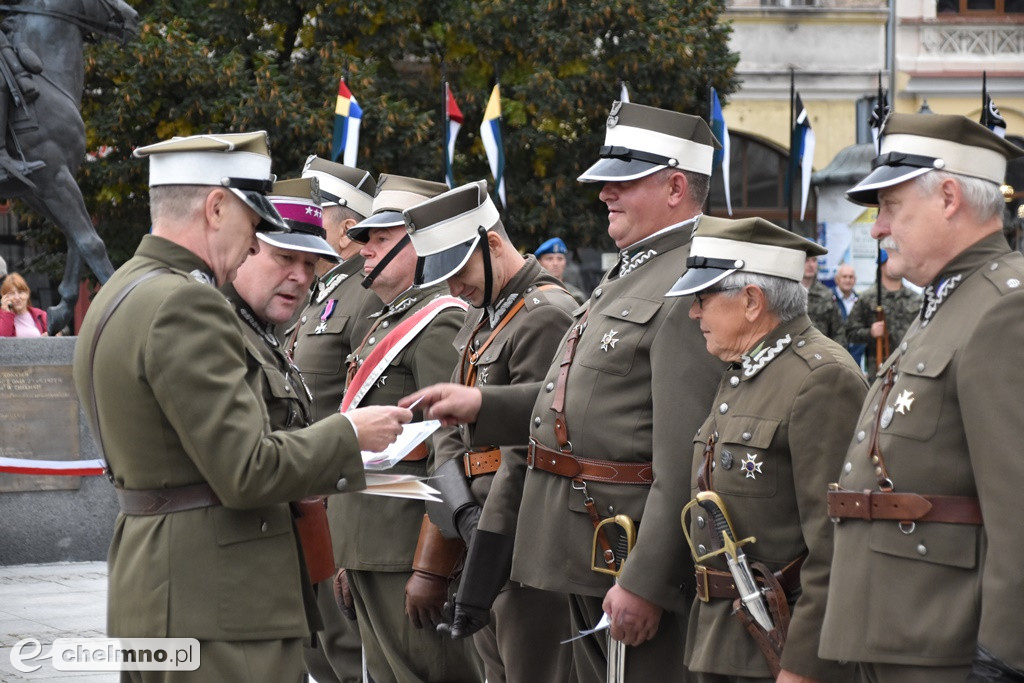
x=41, y=80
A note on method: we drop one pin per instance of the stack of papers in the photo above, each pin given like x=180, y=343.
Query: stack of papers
x=400, y=485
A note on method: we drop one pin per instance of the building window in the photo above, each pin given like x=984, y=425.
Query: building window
x=980, y=7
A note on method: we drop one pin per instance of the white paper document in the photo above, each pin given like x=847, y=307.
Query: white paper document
x=399, y=486
x=413, y=434
x=601, y=625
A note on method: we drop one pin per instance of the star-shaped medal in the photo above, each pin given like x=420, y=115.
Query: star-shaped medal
x=903, y=401
x=609, y=340
x=751, y=466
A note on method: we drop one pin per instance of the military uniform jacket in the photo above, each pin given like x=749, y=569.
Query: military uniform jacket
x=823, y=310
x=374, y=533
x=520, y=352
x=638, y=388
x=336, y=318
x=175, y=409
x=901, y=309
x=780, y=425
x=951, y=425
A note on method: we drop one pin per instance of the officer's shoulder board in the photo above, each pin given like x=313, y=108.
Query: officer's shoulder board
x=543, y=294
x=1006, y=273
x=815, y=355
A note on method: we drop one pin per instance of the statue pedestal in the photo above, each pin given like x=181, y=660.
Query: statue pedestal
x=48, y=518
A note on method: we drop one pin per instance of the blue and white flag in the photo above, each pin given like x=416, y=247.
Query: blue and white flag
x=721, y=158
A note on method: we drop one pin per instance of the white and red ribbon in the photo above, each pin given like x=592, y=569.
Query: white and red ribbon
x=67, y=468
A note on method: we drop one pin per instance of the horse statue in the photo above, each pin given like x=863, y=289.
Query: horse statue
x=41, y=119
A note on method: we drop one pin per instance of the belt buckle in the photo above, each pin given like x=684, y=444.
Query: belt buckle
x=703, y=590
x=531, y=453
x=466, y=465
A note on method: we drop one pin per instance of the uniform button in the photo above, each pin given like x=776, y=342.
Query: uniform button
x=597, y=293
x=701, y=549
x=386, y=324
x=476, y=343
x=549, y=387
x=874, y=459
x=861, y=435
x=287, y=388
x=611, y=509
x=802, y=343
x=734, y=381
x=342, y=484
x=848, y=467
x=724, y=408
x=920, y=367
x=303, y=318
x=878, y=471
x=536, y=422
x=373, y=340
x=746, y=436
x=264, y=526
x=625, y=313
x=529, y=289
x=903, y=346
x=921, y=549
x=701, y=522
x=993, y=266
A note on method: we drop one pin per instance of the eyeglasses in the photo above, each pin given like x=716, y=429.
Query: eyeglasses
x=701, y=295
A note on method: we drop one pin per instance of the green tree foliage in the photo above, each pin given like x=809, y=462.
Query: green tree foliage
x=217, y=66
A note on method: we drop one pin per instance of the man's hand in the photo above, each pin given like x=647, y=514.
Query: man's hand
x=378, y=426
x=877, y=329
x=452, y=404
x=633, y=619
x=343, y=595
x=462, y=620
x=425, y=595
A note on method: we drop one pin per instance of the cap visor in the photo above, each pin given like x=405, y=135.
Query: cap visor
x=442, y=265
x=360, y=232
x=866, y=191
x=698, y=279
x=618, y=170
x=298, y=241
x=271, y=219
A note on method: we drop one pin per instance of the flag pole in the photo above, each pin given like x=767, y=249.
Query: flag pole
x=711, y=124
x=792, y=140
x=444, y=121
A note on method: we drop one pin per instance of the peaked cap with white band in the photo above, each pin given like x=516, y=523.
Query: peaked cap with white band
x=446, y=229
x=395, y=194
x=237, y=161
x=640, y=140
x=342, y=185
x=298, y=202
x=913, y=144
x=722, y=246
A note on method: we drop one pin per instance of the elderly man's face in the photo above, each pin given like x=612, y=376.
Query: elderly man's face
x=234, y=239
x=553, y=263
x=275, y=282
x=720, y=313
x=846, y=278
x=913, y=230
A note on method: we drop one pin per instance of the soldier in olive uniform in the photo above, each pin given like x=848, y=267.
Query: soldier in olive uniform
x=822, y=304
x=901, y=306
x=202, y=480
x=519, y=312
x=337, y=311
x=408, y=345
x=926, y=575
x=611, y=425
x=777, y=431
x=551, y=255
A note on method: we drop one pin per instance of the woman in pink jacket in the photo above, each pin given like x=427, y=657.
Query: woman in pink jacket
x=17, y=318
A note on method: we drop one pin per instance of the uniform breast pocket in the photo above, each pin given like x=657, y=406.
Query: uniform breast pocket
x=488, y=369
x=321, y=353
x=914, y=405
x=614, y=337
x=744, y=465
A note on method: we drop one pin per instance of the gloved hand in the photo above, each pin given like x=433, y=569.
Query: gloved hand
x=461, y=620
x=343, y=595
x=987, y=668
x=424, y=597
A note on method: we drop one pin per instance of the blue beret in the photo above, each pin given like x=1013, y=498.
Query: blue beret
x=555, y=245
x=882, y=256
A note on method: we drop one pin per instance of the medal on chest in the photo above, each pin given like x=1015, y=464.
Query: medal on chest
x=328, y=311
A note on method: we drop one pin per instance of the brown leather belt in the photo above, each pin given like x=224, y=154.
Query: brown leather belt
x=419, y=453
x=482, y=462
x=164, y=501
x=903, y=507
x=714, y=584
x=606, y=471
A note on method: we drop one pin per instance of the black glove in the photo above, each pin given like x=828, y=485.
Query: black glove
x=487, y=568
x=987, y=668
x=467, y=519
